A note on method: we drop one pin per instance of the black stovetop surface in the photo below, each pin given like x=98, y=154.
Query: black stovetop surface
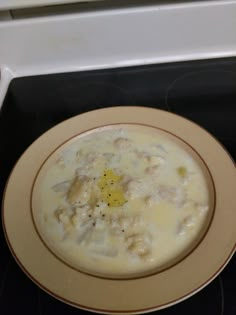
x=203, y=91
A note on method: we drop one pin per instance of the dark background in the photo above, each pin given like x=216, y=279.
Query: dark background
x=203, y=91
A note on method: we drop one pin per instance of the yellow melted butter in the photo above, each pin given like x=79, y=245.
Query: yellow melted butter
x=182, y=171
x=111, y=189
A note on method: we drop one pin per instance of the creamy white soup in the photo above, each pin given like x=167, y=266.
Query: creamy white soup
x=122, y=200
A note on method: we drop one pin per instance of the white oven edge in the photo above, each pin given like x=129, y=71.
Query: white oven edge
x=5, y=79
x=115, y=38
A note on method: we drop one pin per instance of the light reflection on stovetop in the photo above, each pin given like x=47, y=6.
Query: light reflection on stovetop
x=198, y=105
x=203, y=91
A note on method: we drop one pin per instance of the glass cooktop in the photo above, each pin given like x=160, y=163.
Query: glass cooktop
x=203, y=91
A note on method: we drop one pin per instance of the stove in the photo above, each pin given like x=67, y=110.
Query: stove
x=39, y=91
x=203, y=91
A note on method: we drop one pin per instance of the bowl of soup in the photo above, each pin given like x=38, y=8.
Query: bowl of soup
x=122, y=200
x=119, y=203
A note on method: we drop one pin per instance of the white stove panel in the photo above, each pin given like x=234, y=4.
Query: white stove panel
x=112, y=38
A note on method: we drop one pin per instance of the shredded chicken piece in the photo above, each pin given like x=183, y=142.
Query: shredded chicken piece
x=93, y=156
x=63, y=216
x=81, y=216
x=177, y=196
x=60, y=162
x=152, y=200
x=122, y=143
x=152, y=170
x=187, y=223
x=155, y=160
x=80, y=190
x=84, y=232
x=139, y=244
x=133, y=188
